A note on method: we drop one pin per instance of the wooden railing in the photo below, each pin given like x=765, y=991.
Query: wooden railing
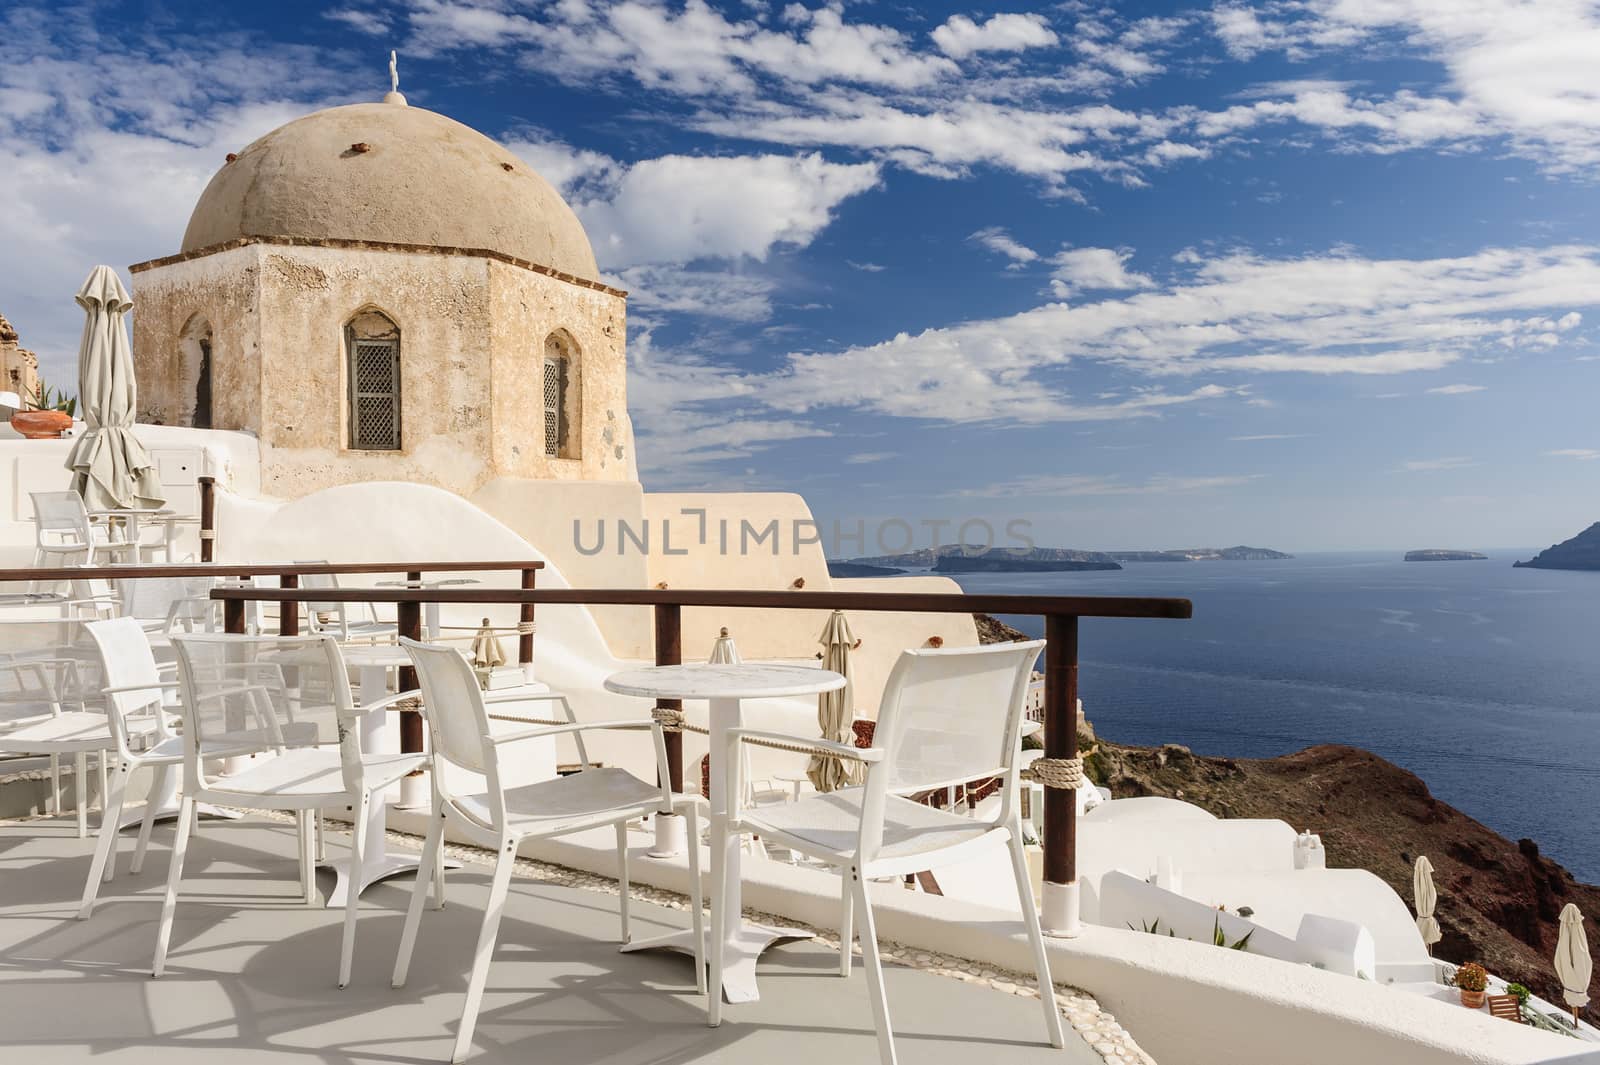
x=408, y=614
x=1061, y=613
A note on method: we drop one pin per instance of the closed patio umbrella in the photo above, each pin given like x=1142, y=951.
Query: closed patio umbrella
x=1573, y=964
x=723, y=651
x=111, y=468
x=835, y=709
x=1426, y=898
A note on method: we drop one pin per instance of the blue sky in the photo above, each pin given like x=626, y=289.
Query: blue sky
x=1300, y=273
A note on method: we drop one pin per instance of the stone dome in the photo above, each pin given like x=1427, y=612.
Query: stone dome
x=391, y=173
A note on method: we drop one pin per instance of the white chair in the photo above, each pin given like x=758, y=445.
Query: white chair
x=48, y=684
x=287, y=702
x=165, y=605
x=138, y=704
x=334, y=619
x=947, y=717
x=500, y=818
x=64, y=535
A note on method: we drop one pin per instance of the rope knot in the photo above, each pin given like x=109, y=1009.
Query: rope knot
x=1063, y=773
x=669, y=718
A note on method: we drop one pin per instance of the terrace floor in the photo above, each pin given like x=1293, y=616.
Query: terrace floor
x=251, y=975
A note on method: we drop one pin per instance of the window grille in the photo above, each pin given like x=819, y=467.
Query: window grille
x=375, y=395
x=555, y=405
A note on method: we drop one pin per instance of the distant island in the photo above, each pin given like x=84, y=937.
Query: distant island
x=1580, y=552
x=1000, y=560
x=976, y=558
x=1201, y=554
x=1442, y=554
x=858, y=569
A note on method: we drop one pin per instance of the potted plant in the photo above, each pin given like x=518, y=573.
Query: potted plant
x=48, y=414
x=1472, y=980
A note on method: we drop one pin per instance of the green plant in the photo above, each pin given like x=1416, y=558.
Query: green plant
x=1218, y=938
x=1032, y=742
x=1472, y=977
x=1154, y=928
x=45, y=399
x=1521, y=992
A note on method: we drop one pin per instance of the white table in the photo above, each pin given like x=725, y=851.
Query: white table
x=724, y=686
x=131, y=516
x=377, y=863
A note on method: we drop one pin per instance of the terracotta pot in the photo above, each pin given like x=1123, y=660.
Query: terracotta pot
x=41, y=424
x=1473, y=1000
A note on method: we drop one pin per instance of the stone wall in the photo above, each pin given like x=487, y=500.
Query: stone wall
x=19, y=367
x=472, y=340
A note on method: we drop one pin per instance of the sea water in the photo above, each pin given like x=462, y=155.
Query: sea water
x=1482, y=679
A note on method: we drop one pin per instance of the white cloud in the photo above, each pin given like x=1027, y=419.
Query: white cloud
x=1454, y=390
x=1270, y=436
x=997, y=240
x=371, y=23
x=1073, y=484
x=1079, y=269
x=866, y=268
x=675, y=289
x=863, y=458
x=960, y=37
x=1454, y=462
x=680, y=208
x=1584, y=453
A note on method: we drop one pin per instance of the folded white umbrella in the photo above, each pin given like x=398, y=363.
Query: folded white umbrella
x=723, y=651
x=1426, y=898
x=111, y=468
x=1573, y=964
x=835, y=709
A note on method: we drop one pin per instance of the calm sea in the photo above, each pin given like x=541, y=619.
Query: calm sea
x=1481, y=679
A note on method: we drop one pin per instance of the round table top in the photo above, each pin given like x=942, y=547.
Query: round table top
x=747, y=680
x=375, y=655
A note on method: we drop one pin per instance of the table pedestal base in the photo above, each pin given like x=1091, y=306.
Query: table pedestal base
x=738, y=956
x=377, y=867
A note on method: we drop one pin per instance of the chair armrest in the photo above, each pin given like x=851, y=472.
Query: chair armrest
x=577, y=726
x=511, y=695
x=389, y=701
x=859, y=754
x=161, y=684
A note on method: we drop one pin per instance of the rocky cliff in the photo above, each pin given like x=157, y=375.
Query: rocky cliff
x=1580, y=552
x=1499, y=901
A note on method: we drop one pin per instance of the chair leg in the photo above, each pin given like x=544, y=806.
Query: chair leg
x=486, y=938
x=622, y=877
x=697, y=894
x=438, y=869
x=105, y=848
x=169, y=904
x=81, y=793
x=432, y=847
x=158, y=784
x=52, y=804
x=352, y=892
x=1030, y=920
x=847, y=910
x=873, y=964
x=322, y=840
x=105, y=781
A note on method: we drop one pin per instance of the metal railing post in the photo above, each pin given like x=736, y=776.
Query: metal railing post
x=1059, y=894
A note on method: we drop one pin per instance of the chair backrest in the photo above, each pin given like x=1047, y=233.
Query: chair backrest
x=171, y=601
x=127, y=661
x=258, y=694
x=47, y=665
x=951, y=716
x=458, y=720
x=62, y=515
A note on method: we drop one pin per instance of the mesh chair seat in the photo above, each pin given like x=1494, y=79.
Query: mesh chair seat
x=567, y=804
x=309, y=772
x=66, y=733
x=831, y=823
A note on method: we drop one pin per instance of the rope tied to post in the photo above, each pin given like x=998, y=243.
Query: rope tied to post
x=526, y=628
x=1063, y=773
x=670, y=718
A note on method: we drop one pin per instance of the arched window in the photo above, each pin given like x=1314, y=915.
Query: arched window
x=562, y=410
x=194, y=348
x=372, y=342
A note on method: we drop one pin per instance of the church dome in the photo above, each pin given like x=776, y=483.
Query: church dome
x=395, y=174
